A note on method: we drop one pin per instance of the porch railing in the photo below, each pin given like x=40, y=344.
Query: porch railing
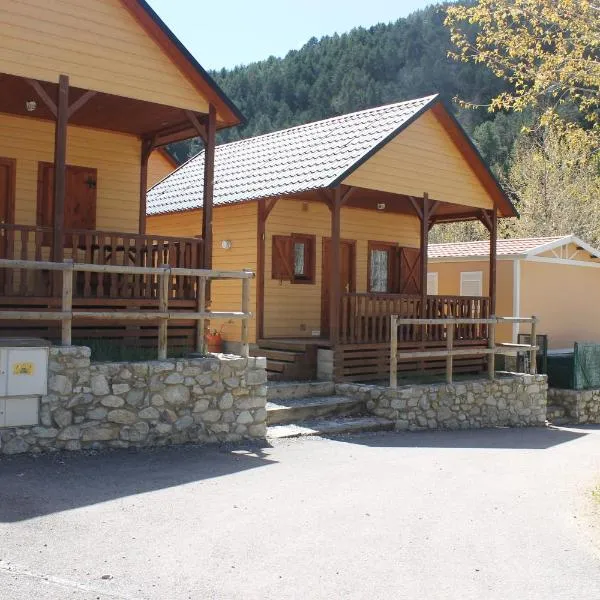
x=450, y=327
x=33, y=243
x=365, y=318
x=67, y=273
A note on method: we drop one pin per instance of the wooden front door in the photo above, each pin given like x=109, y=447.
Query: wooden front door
x=347, y=276
x=7, y=200
x=80, y=197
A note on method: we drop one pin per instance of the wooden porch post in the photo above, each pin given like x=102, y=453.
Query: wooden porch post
x=424, y=249
x=60, y=167
x=493, y=246
x=334, y=267
x=209, y=184
x=147, y=147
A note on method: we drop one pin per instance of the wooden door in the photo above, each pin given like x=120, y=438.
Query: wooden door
x=80, y=198
x=347, y=276
x=7, y=201
x=409, y=277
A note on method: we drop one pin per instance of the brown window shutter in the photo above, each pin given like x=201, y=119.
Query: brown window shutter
x=410, y=271
x=80, y=201
x=283, y=260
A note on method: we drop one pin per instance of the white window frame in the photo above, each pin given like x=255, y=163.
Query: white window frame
x=432, y=284
x=471, y=278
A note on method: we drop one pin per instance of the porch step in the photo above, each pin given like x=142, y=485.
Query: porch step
x=288, y=390
x=301, y=409
x=287, y=360
x=333, y=426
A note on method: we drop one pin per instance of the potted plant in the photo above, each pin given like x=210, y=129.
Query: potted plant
x=214, y=340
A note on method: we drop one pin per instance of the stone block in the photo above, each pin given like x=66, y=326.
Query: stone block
x=99, y=385
x=16, y=445
x=256, y=377
x=72, y=432
x=120, y=388
x=101, y=433
x=149, y=413
x=244, y=418
x=177, y=395
x=62, y=417
x=112, y=402
x=122, y=416
x=226, y=402
x=60, y=384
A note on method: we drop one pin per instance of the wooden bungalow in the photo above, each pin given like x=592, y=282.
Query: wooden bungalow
x=334, y=217
x=89, y=89
x=551, y=277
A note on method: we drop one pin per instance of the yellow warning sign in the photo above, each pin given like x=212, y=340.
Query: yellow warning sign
x=23, y=368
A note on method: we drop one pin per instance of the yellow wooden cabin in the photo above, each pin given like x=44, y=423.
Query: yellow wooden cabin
x=90, y=91
x=334, y=218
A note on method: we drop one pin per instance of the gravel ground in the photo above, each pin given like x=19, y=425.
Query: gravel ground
x=480, y=515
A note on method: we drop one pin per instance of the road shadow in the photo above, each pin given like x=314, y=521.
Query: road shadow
x=518, y=438
x=33, y=486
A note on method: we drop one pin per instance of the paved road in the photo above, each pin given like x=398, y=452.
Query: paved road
x=485, y=515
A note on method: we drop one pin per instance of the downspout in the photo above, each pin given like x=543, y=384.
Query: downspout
x=516, y=297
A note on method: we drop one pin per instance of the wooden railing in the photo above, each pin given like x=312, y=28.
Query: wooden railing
x=165, y=275
x=32, y=243
x=450, y=327
x=365, y=318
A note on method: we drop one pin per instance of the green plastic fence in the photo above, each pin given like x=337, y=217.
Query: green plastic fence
x=577, y=370
x=586, y=366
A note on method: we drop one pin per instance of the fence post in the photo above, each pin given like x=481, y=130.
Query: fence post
x=394, y=351
x=449, y=347
x=163, y=306
x=492, y=346
x=533, y=351
x=245, y=310
x=67, y=303
x=201, y=324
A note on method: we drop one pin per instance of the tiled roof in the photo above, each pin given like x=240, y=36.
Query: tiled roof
x=290, y=161
x=509, y=247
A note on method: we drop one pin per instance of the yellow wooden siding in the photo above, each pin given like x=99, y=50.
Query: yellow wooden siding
x=423, y=158
x=158, y=168
x=237, y=224
x=97, y=43
x=449, y=285
x=563, y=297
x=115, y=156
x=295, y=309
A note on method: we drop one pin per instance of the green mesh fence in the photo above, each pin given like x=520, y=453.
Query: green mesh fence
x=586, y=366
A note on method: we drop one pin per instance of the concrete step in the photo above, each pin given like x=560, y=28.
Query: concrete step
x=287, y=390
x=301, y=409
x=331, y=426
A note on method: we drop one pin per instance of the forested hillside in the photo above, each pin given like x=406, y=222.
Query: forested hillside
x=360, y=69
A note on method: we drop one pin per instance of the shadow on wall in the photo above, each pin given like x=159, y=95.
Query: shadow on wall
x=37, y=486
x=509, y=438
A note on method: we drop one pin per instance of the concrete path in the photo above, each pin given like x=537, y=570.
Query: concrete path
x=482, y=515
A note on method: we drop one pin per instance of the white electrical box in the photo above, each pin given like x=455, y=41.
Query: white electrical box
x=23, y=379
x=23, y=371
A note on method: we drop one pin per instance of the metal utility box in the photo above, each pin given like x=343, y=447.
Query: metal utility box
x=23, y=379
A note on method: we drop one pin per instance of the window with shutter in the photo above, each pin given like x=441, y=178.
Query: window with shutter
x=471, y=283
x=294, y=258
x=381, y=267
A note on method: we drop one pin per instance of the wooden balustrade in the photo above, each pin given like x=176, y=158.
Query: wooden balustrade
x=32, y=243
x=365, y=318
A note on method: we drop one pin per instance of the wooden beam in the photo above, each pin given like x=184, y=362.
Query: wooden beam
x=209, y=184
x=485, y=219
x=60, y=168
x=147, y=147
x=327, y=196
x=334, y=267
x=261, y=220
x=493, y=261
x=201, y=129
x=81, y=102
x=433, y=208
x=416, y=207
x=269, y=206
x=347, y=194
x=424, y=248
x=41, y=92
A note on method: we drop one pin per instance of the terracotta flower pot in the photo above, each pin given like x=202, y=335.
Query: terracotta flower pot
x=214, y=343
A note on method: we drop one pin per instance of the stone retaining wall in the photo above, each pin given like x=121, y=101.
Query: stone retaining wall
x=576, y=406
x=516, y=401
x=119, y=405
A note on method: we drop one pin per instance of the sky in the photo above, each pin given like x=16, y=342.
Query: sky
x=230, y=33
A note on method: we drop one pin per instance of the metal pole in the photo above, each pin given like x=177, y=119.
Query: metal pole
x=533, y=343
x=67, y=304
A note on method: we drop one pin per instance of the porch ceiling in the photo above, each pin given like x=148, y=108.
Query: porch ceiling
x=102, y=111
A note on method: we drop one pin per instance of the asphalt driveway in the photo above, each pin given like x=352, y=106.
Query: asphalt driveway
x=495, y=514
